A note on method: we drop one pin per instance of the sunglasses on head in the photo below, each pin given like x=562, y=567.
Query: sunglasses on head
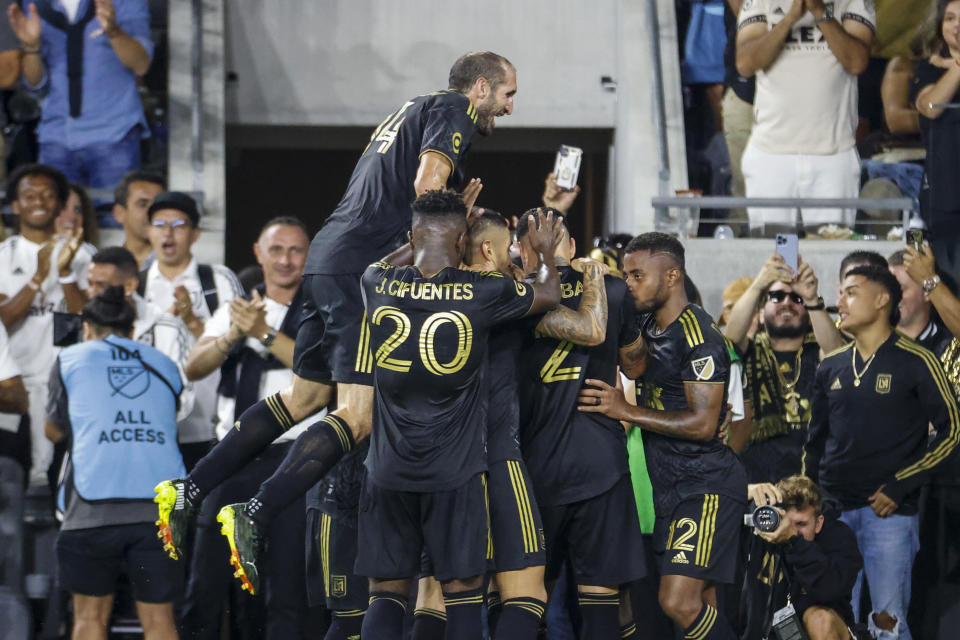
x=780, y=296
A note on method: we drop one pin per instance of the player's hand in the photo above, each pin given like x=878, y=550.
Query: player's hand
x=541, y=233
x=603, y=399
x=470, y=193
x=806, y=284
x=107, y=17
x=775, y=269
x=26, y=26
x=43, y=262
x=589, y=265
x=781, y=534
x=882, y=504
x=764, y=493
x=920, y=266
x=557, y=198
x=72, y=241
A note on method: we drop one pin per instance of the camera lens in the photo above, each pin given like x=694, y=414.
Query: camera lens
x=766, y=518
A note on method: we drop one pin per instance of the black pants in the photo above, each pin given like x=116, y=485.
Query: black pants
x=281, y=612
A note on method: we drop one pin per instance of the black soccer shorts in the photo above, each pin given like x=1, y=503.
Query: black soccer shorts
x=90, y=560
x=518, y=538
x=451, y=527
x=599, y=536
x=700, y=538
x=331, y=554
x=332, y=341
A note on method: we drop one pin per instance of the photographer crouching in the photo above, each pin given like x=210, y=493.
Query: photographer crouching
x=115, y=401
x=804, y=571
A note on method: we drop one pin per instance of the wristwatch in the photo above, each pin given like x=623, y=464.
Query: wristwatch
x=820, y=306
x=930, y=284
x=268, y=338
x=827, y=16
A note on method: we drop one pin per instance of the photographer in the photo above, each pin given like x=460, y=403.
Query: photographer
x=810, y=559
x=116, y=402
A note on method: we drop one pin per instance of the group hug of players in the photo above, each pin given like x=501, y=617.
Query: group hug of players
x=477, y=429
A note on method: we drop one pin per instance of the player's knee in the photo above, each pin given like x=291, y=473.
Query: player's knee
x=679, y=607
x=821, y=623
x=459, y=586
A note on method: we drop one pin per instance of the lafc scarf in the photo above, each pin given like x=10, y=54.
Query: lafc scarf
x=770, y=416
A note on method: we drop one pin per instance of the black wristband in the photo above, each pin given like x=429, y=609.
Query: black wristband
x=820, y=306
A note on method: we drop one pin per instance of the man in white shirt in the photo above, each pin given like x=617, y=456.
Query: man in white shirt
x=176, y=283
x=806, y=55
x=39, y=274
x=257, y=334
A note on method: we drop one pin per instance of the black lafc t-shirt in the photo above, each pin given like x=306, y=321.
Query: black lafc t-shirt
x=690, y=350
x=427, y=346
x=374, y=215
x=572, y=455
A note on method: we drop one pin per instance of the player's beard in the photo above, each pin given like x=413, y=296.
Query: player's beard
x=485, y=115
x=654, y=302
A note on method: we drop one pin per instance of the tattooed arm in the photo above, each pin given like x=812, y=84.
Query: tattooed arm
x=633, y=359
x=699, y=422
x=588, y=325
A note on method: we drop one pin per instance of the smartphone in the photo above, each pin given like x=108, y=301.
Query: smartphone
x=788, y=246
x=566, y=168
x=915, y=238
x=66, y=328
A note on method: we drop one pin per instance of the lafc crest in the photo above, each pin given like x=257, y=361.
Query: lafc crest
x=338, y=586
x=703, y=368
x=884, y=382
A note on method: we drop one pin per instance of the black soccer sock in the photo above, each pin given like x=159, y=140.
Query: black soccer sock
x=312, y=455
x=428, y=624
x=494, y=609
x=709, y=625
x=463, y=614
x=384, y=617
x=601, y=615
x=345, y=625
x=257, y=427
x=628, y=631
x=520, y=619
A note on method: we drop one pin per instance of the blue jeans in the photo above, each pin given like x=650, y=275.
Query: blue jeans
x=99, y=166
x=888, y=546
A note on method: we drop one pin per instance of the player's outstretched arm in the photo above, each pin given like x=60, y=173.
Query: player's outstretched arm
x=588, y=325
x=543, y=238
x=699, y=422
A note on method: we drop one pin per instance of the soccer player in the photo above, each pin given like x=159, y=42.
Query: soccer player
x=699, y=485
x=578, y=461
x=425, y=489
x=517, y=588
x=874, y=403
x=418, y=148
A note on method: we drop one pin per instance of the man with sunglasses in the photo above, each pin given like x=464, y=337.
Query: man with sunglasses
x=176, y=283
x=780, y=362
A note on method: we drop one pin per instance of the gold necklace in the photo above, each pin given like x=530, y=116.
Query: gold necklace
x=853, y=363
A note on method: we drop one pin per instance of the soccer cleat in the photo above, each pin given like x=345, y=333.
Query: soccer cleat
x=176, y=515
x=244, y=541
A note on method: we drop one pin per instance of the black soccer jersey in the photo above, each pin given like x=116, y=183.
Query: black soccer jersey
x=572, y=455
x=503, y=408
x=691, y=349
x=374, y=215
x=427, y=348
x=873, y=430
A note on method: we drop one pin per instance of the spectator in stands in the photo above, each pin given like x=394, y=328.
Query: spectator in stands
x=14, y=465
x=917, y=320
x=177, y=283
x=133, y=196
x=936, y=81
x=79, y=212
x=806, y=62
x=85, y=57
x=737, y=106
x=40, y=275
x=115, y=401
x=257, y=334
x=780, y=362
x=9, y=75
x=731, y=293
x=921, y=267
x=875, y=404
